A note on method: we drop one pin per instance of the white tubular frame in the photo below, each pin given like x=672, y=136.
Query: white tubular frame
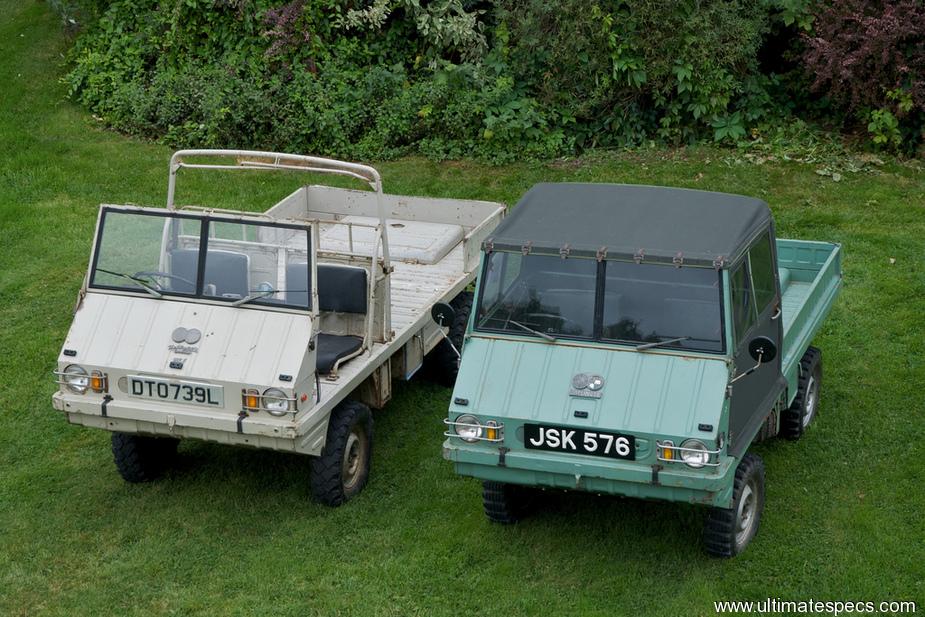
x=278, y=161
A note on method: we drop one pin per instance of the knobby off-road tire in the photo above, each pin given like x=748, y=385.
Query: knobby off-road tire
x=505, y=503
x=800, y=414
x=443, y=361
x=342, y=470
x=140, y=458
x=727, y=532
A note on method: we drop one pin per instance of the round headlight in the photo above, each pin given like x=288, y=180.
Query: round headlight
x=275, y=401
x=696, y=455
x=76, y=379
x=468, y=428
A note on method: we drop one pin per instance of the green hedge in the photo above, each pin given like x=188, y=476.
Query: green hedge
x=503, y=80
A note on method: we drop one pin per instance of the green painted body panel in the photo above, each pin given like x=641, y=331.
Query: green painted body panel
x=646, y=394
x=653, y=395
x=810, y=281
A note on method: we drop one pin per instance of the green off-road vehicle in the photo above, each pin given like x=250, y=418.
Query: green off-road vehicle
x=636, y=340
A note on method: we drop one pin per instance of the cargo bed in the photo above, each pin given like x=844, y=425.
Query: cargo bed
x=810, y=277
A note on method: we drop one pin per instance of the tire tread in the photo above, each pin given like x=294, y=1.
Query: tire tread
x=140, y=458
x=791, y=420
x=326, y=470
x=719, y=526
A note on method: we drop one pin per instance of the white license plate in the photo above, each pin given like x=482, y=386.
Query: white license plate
x=186, y=392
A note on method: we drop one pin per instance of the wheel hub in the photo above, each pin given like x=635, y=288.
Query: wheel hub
x=354, y=454
x=745, y=515
x=811, y=398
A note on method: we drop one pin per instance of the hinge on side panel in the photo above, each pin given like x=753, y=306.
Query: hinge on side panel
x=639, y=256
x=678, y=259
x=565, y=250
x=602, y=253
x=525, y=249
x=718, y=262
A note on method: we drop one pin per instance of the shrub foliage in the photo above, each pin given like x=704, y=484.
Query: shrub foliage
x=869, y=57
x=497, y=80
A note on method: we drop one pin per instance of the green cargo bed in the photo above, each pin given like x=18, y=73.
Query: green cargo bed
x=810, y=277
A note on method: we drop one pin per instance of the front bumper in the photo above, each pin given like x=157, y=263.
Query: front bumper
x=151, y=418
x=666, y=481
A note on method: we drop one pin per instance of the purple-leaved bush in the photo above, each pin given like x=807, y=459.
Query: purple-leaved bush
x=860, y=50
x=287, y=31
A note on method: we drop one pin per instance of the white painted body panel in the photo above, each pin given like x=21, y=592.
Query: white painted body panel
x=434, y=258
x=132, y=334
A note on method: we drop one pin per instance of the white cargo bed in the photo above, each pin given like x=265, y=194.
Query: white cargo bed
x=433, y=251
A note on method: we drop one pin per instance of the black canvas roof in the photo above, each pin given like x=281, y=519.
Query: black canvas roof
x=628, y=221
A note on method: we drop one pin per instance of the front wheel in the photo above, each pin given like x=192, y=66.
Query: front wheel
x=728, y=531
x=342, y=470
x=140, y=458
x=504, y=503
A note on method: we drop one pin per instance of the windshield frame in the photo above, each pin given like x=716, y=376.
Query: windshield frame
x=205, y=218
x=598, y=338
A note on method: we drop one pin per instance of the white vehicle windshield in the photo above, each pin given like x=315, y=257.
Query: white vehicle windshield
x=646, y=305
x=215, y=258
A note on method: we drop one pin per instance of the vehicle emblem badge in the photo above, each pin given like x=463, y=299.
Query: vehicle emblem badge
x=190, y=337
x=586, y=386
x=580, y=381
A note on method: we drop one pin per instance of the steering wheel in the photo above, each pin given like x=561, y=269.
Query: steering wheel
x=155, y=274
x=564, y=320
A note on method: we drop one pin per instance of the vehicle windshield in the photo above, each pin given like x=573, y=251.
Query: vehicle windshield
x=176, y=254
x=617, y=301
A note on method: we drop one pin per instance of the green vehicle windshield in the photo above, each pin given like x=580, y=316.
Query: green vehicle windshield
x=611, y=301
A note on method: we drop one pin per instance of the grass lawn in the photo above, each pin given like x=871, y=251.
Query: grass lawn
x=233, y=532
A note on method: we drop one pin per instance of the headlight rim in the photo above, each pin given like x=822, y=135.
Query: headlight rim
x=278, y=398
x=470, y=420
x=694, y=444
x=68, y=376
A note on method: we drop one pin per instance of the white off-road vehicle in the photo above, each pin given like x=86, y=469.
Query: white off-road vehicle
x=277, y=330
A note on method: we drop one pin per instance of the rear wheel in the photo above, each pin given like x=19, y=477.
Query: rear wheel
x=443, y=363
x=342, y=470
x=728, y=531
x=504, y=503
x=140, y=458
x=795, y=420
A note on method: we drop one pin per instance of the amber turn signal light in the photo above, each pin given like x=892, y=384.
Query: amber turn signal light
x=99, y=382
x=250, y=400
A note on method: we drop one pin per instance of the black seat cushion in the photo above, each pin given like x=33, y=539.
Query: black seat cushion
x=331, y=348
x=226, y=270
x=341, y=289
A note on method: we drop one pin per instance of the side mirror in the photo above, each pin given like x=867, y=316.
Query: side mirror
x=443, y=314
x=762, y=349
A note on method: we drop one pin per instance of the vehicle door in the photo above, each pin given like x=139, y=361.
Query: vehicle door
x=756, y=308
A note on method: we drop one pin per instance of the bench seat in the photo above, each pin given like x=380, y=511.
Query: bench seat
x=332, y=347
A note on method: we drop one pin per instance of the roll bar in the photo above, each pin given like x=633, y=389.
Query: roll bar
x=279, y=161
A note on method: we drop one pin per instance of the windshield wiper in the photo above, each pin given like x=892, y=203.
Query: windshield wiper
x=669, y=341
x=140, y=282
x=254, y=296
x=263, y=294
x=542, y=335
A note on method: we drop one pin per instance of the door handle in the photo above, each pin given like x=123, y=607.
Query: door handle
x=776, y=314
